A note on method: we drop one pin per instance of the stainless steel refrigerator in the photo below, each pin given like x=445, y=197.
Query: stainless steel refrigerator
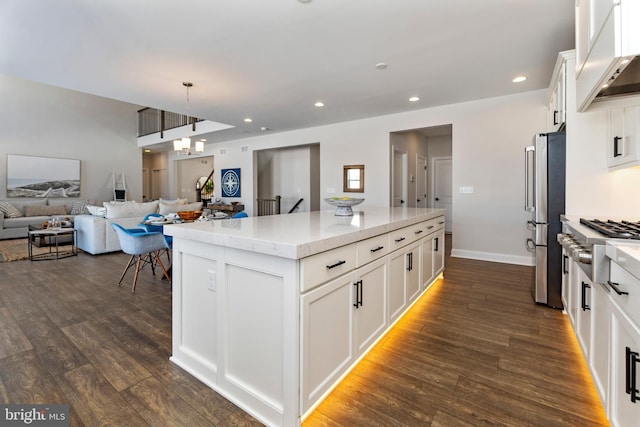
x=545, y=162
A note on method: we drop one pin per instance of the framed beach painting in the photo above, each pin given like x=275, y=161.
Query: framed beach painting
x=30, y=176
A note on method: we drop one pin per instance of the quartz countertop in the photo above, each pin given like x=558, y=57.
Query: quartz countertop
x=302, y=234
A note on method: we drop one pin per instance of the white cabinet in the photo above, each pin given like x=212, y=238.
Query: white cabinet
x=370, y=304
x=327, y=336
x=600, y=340
x=624, y=138
x=566, y=284
x=404, y=279
x=607, y=34
x=438, y=252
x=625, y=367
x=583, y=312
x=427, y=261
x=557, y=97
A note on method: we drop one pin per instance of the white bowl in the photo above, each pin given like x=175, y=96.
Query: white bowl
x=343, y=206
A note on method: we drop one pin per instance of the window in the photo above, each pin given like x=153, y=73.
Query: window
x=353, y=181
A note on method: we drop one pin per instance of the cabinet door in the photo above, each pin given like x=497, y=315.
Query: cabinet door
x=566, y=281
x=412, y=272
x=600, y=340
x=326, y=336
x=397, y=284
x=583, y=313
x=625, y=367
x=370, y=304
x=438, y=252
x=427, y=261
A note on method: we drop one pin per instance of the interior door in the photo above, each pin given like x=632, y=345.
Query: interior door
x=421, y=182
x=399, y=185
x=443, y=188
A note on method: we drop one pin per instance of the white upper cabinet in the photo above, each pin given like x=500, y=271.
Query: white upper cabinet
x=557, y=97
x=624, y=139
x=607, y=36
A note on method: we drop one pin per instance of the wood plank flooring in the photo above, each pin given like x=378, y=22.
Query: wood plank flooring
x=474, y=351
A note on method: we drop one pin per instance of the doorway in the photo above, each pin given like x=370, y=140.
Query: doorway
x=443, y=188
x=189, y=172
x=399, y=183
x=421, y=182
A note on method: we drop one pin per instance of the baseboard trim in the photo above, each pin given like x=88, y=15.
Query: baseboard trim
x=493, y=257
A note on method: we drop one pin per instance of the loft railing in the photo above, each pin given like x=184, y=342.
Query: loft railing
x=152, y=120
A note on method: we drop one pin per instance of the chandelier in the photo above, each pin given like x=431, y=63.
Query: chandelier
x=183, y=146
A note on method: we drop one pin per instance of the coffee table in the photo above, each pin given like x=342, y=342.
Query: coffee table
x=54, y=240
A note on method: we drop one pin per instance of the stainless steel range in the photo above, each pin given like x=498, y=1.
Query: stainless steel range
x=584, y=241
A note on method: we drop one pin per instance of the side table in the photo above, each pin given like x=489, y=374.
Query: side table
x=54, y=240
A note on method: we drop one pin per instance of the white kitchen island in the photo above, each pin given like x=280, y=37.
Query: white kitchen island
x=273, y=311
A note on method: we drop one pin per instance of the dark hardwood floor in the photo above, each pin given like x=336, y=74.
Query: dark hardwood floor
x=474, y=350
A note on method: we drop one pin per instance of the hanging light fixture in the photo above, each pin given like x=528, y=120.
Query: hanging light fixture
x=183, y=146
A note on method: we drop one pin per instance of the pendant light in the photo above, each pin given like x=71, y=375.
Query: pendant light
x=183, y=146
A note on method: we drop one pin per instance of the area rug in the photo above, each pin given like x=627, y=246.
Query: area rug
x=16, y=250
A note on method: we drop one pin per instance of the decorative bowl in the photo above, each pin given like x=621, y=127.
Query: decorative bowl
x=189, y=215
x=343, y=204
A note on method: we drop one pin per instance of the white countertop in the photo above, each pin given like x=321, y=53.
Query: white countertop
x=302, y=234
x=626, y=254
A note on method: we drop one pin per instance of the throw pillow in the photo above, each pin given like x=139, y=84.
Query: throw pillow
x=129, y=209
x=79, y=207
x=96, y=210
x=169, y=208
x=45, y=210
x=9, y=210
x=174, y=201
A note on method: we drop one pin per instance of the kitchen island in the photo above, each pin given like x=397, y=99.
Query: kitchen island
x=273, y=311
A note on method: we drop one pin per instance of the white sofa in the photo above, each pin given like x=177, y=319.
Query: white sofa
x=95, y=234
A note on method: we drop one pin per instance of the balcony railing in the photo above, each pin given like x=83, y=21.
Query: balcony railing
x=152, y=120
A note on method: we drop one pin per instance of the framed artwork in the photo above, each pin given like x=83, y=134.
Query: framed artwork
x=30, y=176
x=231, y=182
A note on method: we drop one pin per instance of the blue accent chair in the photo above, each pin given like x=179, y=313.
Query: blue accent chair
x=144, y=247
x=240, y=215
x=155, y=228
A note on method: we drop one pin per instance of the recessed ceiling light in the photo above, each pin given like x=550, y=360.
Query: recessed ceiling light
x=304, y=1
x=414, y=99
x=264, y=128
x=319, y=104
x=519, y=79
x=147, y=150
x=248, y=120
x=381, y=65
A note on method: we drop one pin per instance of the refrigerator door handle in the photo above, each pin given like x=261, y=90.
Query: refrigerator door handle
x=529, y=186
x=530, y=245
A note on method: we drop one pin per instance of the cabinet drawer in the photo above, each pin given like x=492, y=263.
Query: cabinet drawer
x=438, y=222
x=406, y=235
x=625, y=282
x=371, y=249
x=325, y=266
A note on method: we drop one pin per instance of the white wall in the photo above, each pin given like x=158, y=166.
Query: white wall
x=489, y=137
x=42, y=120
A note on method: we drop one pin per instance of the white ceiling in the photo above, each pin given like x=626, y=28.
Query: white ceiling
x=271, y=60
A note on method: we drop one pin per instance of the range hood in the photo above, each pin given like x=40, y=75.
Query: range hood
x=625, y=80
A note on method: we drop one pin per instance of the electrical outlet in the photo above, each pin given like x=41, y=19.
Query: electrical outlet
x=467, y=189
x=211, y=280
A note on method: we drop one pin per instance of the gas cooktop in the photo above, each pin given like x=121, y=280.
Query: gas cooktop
x=614, y=229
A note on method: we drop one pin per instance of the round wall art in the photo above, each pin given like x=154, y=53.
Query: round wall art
x=231, y=182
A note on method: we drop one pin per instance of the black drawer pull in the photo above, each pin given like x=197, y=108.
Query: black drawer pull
x=400, y=239
x=616, y=152
x=631, y=388
x=440, y=222
x=614, y=286
x=339, y=263
x=377, y=249
x=430, y=227
x=418, y=232
x=584, y=305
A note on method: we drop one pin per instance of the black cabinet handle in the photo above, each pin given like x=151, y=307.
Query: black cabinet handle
x=400, y=239
x=616, y=139
x=358, y=294
x=614, y=286
x=631, y=388
x=564, y=264
x=430, y=227
x=436, y=241
x=339, y=263
x=555, y=117
x=585, y=307
x=410, y=261
x=418, y=232
x=377, y=249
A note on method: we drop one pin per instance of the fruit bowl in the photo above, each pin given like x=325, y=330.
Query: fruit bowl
x=189, y=215
x=343, y=204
